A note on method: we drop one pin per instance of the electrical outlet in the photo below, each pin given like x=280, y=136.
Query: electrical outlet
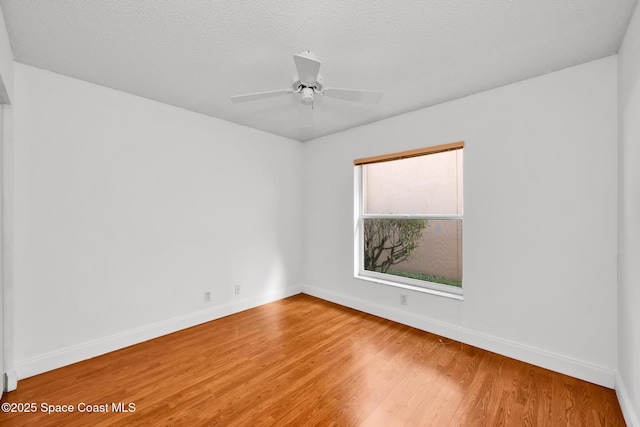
x=237, y=289
x=403, y=299
x=207, y=296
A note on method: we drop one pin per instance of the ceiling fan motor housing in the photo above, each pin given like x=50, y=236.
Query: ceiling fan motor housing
x=297, y=85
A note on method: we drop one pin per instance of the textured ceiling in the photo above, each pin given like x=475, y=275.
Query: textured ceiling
x=196, y=54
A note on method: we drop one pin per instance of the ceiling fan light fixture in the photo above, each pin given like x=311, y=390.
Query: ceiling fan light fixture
x=306, y=95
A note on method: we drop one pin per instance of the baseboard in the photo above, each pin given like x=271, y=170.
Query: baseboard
x=67, y=356
x=629, y=412
x=551, y=361
x=554, y=362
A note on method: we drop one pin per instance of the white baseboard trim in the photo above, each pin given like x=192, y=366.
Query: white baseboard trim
x=67, y=356
x=554, y=362
x=629, y=412
x=551, y=361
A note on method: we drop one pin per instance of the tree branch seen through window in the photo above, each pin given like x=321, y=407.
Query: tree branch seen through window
x=390, y=241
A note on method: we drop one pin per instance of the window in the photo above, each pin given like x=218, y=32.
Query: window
x=409, y=218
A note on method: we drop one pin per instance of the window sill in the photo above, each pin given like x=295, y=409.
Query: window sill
x=435, y=292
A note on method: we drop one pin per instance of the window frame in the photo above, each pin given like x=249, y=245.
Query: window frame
x=359, y=217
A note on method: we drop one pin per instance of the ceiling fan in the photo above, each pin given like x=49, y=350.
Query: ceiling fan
x=307, y=82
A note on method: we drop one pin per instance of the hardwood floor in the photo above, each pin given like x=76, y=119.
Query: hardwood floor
x=303, y=361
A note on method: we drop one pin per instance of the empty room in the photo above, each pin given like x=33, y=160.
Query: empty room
x=296, y=212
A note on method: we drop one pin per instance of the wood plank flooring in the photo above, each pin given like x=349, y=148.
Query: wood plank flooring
x=302, y=361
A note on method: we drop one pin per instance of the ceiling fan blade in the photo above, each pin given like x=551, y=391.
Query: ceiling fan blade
x=354, y=95
x=307, y=68
x=260, y=95
x=305, y=116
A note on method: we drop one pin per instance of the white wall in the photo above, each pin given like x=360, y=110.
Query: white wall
x=6, y=64
x=628, y=382
x=539, y=238
x=127, y=210
x=7, y=378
